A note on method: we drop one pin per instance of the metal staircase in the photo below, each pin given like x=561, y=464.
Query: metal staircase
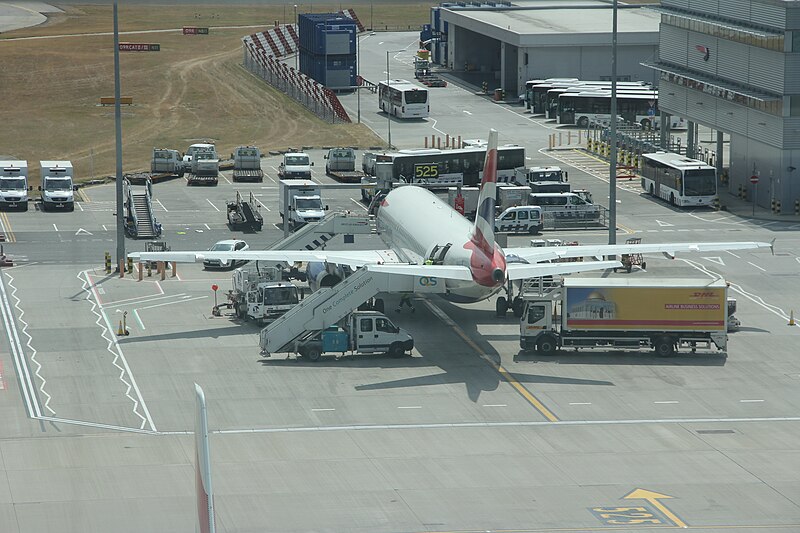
x=312, y=236
x=140, y=222
x=327, y=306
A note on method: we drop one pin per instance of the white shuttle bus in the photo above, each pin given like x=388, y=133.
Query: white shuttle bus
x=403, y=99
x=679, y=180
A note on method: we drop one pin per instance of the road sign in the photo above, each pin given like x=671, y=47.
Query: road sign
x=753, y=179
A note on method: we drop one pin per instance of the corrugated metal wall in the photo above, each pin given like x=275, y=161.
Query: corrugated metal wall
x=745, y=11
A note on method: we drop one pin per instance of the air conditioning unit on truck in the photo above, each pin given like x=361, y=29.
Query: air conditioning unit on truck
x=259, y=295
x=247, y=164
x=633, y=314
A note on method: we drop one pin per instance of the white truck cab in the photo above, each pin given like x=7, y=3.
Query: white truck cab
x=300, y=201
x=295, y=165
x=360, y=332
x=57, y=188
x=520, y=219
x=14, y=185
x=200, y=147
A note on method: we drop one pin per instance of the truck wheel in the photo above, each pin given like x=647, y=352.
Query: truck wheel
x=313, y=353
x=501, y=306
x=547, y=345
x=518, y=306
x=396, y=350
x=665, y=347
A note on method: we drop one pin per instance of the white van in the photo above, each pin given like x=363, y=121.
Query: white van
x=520, y=219
x=14, y=185
x=56, y=188
x=564, y=205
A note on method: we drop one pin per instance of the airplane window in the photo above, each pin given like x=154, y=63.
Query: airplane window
x=366, y=324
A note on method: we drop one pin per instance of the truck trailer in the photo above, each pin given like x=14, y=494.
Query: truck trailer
x=661, y=314
x=341, y=165
x=247, y=164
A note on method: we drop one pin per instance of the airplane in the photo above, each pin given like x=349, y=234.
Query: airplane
x=427, y=237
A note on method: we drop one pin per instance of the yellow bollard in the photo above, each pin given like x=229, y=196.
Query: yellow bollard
x=108, y=263
x=791, y=318
x=130, y=265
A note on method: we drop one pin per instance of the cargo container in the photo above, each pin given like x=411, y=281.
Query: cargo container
x=634, y=314
x=333, y=71
x=327, y=34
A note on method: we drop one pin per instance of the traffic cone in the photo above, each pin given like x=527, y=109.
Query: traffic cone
x=120, y=331
x=791, y=317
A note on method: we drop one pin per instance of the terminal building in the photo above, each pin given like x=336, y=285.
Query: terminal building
x=734, y=66
x=507, y=44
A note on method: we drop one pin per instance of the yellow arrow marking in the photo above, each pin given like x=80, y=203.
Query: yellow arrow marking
x=653, y=497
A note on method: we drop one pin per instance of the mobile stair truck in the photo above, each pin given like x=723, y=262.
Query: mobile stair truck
x=309, y=329
x=259, y=294
x=14, y=185
x=633, y=314
x=341, y=165
x=247, y=164
x=140, y=221
x=56, y=188
x=244, y=214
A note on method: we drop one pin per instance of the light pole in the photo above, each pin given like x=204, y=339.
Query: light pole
x=358, y=76
x=297, y=44
x=612, y=180
x=118, y=134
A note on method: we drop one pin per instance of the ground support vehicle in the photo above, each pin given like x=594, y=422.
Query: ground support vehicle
x=525, y=175
x=300, y=202
x=244, y=214
x=258, y=294
x=247, y=164
x=295, y=165
x=470, y=196
x=164, y=164
x=360, y=332
x=634, y=314
x=629, y=260
x=57, y=189
x=341, y=165
x=511, y=196
x=140, y=220
x=520, y=219
x=203, y=171
x=14, y=185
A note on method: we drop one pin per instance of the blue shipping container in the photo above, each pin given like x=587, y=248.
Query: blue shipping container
x=334, y=71
x=330, y=33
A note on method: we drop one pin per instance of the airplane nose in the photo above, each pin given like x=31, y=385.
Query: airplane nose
x=498, y=275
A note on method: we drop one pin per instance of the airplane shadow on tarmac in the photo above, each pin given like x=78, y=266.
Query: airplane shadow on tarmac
x=466, y=366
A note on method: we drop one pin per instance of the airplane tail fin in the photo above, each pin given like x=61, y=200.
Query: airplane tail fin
x=483, y=230
x=202, y=465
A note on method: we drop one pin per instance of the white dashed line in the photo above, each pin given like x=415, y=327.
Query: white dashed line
x=668, y=401
x=495, y=405
x=409, y=407
x=750, y=401
x=580, y=403
x=323, y=409
x=212, y=205
x=758, y=267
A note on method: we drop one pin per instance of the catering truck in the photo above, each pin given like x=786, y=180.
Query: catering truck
x=247, y=164
x=259, y=295
x=633, y=314
x=300, y=202
x=56, y=188
x=14, y=185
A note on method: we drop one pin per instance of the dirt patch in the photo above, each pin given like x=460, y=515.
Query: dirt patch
x=194, y=88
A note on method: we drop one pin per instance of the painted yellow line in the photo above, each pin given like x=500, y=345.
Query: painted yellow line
x=669, y=514
x=9, y=233
x=626, y=229
x=525, y=393
x=789, y=527
x=83, y=194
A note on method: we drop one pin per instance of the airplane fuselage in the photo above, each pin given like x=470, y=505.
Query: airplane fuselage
x=419, y=226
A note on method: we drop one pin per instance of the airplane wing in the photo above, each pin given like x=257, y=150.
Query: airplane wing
x=435, y=271
x=351, y=258
x=549, y=253
x=517, y=271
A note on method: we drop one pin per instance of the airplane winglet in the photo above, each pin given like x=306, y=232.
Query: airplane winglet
x=772, y=245
x=668, y=255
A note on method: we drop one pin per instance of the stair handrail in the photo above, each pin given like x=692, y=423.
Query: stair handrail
x=131, y=208
x=154, y=225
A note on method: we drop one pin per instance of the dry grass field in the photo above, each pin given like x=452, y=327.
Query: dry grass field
x=194, y=88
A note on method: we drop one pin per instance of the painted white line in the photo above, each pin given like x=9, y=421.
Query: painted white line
x=33, y=351
x=359, y=204
x=212, y=205
x=750, y=401
x=20, y=362
x=55, y=227
x=318, y=409
x=104, y=227
x=667, y=401
x=270, y=178
x=733, y=254
x=207, y=227
x=758, y=267
x=139, y=299
x=170, y=303
x=226, y=179
x=109, y=336
x=261, y=203
x=409, y=407
x=580, y=403
x=138, y=319
x=162, y=205
x=79, y=205
x=495, y=405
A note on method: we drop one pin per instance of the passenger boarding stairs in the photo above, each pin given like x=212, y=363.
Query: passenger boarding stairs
x=314, y=235
x=326, y=307
x=140, y=222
